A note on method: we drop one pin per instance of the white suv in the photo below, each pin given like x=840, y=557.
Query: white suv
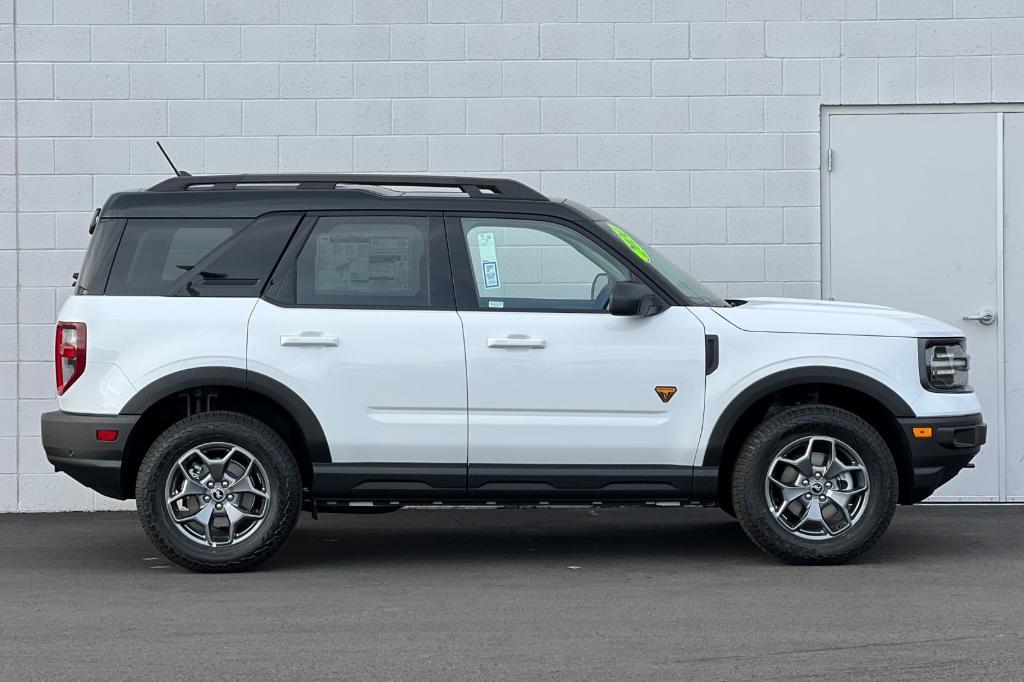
x=241, y=348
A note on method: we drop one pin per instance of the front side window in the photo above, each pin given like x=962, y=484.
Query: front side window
x=537, y=265
x=365, y=261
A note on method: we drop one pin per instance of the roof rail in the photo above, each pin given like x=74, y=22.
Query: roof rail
x=499, y=188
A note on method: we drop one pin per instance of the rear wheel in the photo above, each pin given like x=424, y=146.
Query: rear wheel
x=219, y=491
x=815, y=484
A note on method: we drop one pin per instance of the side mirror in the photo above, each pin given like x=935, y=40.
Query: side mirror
x=633, y=298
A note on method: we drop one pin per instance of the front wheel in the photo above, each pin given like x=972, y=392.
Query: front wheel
x=218, y=491
x=815, y=484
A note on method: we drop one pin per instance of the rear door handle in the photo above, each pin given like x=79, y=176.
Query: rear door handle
x=309, y=339
x=515, y=342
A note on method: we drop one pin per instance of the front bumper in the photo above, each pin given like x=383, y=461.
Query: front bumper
x=71, y=446
x=953, y=443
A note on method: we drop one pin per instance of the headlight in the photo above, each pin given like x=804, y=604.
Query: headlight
x=944, y=364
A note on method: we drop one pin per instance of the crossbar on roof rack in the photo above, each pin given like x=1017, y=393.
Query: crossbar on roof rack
x=500, y=188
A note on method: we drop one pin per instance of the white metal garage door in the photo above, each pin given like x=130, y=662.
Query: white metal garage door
x=913, y=219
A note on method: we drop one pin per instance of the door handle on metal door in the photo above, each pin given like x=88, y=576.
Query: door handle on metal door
x=515, y=342
x=985, y=316
x=309, y=339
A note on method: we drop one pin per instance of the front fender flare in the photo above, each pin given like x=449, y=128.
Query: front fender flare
x=821, y=375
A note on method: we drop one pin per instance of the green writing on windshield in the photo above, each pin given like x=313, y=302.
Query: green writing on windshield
x=633, y=245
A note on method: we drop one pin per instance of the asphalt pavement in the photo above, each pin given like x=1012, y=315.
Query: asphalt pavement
x=516, y=594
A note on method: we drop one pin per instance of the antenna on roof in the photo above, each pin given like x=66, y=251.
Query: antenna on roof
x=177, y=172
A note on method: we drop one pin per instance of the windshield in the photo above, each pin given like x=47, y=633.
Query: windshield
x=693, y=290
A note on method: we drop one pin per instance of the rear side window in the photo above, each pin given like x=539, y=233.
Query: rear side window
x=157, y=253
x=364, y=261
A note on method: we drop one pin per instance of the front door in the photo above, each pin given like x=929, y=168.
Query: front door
x=564, y=399
x=361, y=325
x=914, y=224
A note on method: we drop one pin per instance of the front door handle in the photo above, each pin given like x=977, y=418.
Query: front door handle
x=984, y=316
x=515, y=342
x=309, y=339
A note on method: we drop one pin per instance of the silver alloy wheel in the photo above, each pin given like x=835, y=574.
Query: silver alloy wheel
x=817, y=487
x=217, y=494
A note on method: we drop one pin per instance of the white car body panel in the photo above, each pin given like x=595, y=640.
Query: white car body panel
x=587, y=396
x=747, y=357
x=794, y=316
x=393, y=389
x=133, y=341
x=102, y=389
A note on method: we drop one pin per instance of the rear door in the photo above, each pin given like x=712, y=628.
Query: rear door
x=360, y=323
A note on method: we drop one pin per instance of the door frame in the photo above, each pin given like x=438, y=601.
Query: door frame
x=563, y=482
x=826, y=112
x=359, y=483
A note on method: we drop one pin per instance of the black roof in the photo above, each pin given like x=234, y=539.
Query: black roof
x=507, y=189
x=253, y=195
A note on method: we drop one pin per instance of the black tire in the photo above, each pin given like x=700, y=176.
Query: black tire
x=784, y=428
x=283, y=480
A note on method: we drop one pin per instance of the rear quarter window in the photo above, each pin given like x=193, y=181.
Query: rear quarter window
x=188, y=246
x=102, y=247
x=156, y=255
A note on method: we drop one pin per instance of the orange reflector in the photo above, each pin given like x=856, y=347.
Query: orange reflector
x=922, y=432
x=106, y=435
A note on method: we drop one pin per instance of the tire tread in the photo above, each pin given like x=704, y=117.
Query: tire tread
x=149, y=494
x=755, y=449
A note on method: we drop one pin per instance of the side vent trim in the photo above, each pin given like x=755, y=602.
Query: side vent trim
x=710, y=353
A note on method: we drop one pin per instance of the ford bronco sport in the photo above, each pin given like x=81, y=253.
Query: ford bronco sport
x=240, y=348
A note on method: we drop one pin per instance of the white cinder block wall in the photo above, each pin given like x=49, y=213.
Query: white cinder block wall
x=694, y=122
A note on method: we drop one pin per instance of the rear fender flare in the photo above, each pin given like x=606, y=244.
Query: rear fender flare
x=296, y=407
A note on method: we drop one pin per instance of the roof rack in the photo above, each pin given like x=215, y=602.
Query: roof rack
x=500, y=188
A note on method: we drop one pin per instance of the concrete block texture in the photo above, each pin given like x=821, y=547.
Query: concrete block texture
x=539, y=79
x=129, y=44
x=695, y=123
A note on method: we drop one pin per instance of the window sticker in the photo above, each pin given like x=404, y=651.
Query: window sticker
x=363, y=264
x=631, y=243
x=488, y=260
x=495, y=304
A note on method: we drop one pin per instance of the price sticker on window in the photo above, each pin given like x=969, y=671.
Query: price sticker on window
x=488, y=260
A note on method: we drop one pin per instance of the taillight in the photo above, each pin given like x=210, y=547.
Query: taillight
x=69, y=354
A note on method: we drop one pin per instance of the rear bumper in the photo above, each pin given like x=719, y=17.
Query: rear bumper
x=71, y=446
x=953, y=444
